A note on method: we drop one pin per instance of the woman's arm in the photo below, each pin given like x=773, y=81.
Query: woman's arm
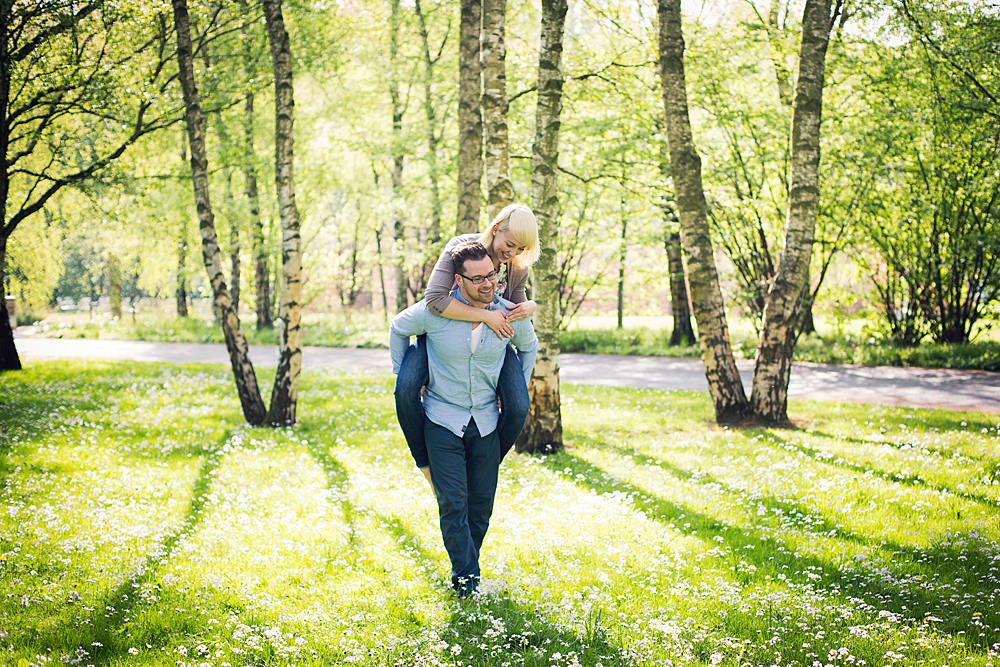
x=494, y=319
x=517, y=293
x=517, y=284
x=439, y=285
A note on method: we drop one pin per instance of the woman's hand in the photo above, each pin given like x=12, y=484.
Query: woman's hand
x=521, y=311
x=496, y=320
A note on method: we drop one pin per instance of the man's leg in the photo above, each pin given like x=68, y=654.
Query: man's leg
x=448, y=470
x=482, y=467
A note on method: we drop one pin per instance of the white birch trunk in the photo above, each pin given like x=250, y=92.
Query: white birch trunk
x=284, y=395
x=721, y=373
x=543, y=429
x=500, y=189
x=769, y=399
x=470, y=119
x=246, y=379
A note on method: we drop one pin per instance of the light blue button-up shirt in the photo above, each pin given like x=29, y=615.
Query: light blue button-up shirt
x=463, y=383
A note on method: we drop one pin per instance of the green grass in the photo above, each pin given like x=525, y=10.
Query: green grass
x=144, y=524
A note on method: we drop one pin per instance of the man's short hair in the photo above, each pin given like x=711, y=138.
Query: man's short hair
x=465, y=251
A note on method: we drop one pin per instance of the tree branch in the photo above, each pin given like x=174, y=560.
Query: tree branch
x=925, y=36
x=65, y=23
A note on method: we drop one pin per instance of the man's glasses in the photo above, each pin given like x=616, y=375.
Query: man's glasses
x=478, y=280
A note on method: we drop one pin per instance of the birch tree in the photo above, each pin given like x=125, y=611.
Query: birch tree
x=500, y=189
x=284, y=395
x=769, y=398
x=470, y=119
x=243, y=372
x=723, y=377
x=543, y=429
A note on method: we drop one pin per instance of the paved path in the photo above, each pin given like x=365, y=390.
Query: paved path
x=911, y=387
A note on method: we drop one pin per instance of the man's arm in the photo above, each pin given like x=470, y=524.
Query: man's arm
x=526, y=343
x=410, y=322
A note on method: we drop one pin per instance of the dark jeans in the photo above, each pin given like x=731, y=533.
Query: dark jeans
x=464, y=471
x=413, y=375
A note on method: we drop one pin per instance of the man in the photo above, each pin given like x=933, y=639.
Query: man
x=460, y=406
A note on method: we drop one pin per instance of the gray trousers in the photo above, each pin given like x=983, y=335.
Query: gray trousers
x=464, y=471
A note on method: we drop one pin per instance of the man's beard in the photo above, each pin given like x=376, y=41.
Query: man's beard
x=475, y=296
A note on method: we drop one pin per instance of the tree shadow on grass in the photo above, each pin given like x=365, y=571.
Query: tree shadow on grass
x=930, y=560
x=943, y=420
x=903, y=592
x=990, y=463
x=944, y=452
x=337, y=481
x=28, y=418
x=914, y=480
x=101, y=633
x=804, y=517
x=495, y=628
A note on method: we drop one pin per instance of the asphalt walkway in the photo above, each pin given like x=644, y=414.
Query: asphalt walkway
x=910, y=387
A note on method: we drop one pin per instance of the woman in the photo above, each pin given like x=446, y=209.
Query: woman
x=512, y=243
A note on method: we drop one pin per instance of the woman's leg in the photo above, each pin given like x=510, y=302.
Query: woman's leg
x=514, y=401
x=412, y=376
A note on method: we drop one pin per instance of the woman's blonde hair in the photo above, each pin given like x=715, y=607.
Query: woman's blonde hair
x=519, y=219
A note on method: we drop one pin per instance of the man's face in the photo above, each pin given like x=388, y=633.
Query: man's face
x=481, y=295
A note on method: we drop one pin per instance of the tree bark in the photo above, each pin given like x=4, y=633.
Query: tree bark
x=246, y=379
x=181, y=292
x=622, y=255
x=284, y=395
x=543, y=429
x=470, y=119
x=721, y=373
x=769, y=399
x=780, y=71
x=500, y=189
x=396, y=173
x=115, y=285
x=381, y=275
x=680, y=310
x=234, y=242
x=433, y=170
x=226, y=154
x=9, y=359
x=680, y=305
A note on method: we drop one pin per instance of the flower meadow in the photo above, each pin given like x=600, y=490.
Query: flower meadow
x=144, y=524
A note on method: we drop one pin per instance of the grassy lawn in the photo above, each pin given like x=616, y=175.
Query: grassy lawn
x=143, y=524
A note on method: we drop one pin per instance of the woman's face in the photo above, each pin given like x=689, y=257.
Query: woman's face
x=505, y=246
